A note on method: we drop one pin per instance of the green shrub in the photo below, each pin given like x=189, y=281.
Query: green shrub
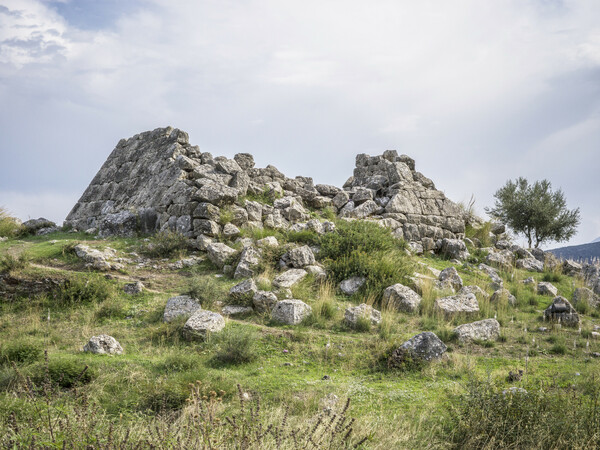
x=558, y=349
x=9, y=263
x=178, y=362
x=207, y=290
x=552, y=277
x=235, y=345
x=65, y=372
x=541, y=417
x=9, y=226
x=94, y=288
x=367, y=250
x=166, y=244
x=20, y=351
x=308, y=237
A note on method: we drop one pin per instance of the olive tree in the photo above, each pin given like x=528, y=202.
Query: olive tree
x=535, y=211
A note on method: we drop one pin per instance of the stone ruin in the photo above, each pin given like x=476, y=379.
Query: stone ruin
x=157, y=180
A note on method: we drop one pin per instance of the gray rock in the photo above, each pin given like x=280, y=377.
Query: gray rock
x=291, y=312
x=424, y=346
x=97, y=259
x=498, y=228
x=529, y=281
x=503, y=295
x=32, y=226
x=530, y=264
x=264, y=301
x=495, y=280
x=340, y=199
x=571, y=268
x=217, y=194
x=475, y=290
x=561, y=311
x=245, y=160
x=219, y=253
x=455, y=249
x=230, y=230
x=103, y=345
x=269, y=241
x=236, y=310
x=457, y=304
x=299, y=257
x=317, y=271
x=482, y=330
x=203, y=323
x=364, y=210
x=502, y=260
x=350, y=286
x=450, y=279
x=401, y=298
x=133, y=288
x=182, y=305
x=289, y=278
x=243, y=292
x=250, y=259
x=354, y=313
x=546, y=288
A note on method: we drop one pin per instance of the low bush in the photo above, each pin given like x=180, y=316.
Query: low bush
x=79, y=290
x=166, y=244
x=235, y=345
x=488, y=416
x=63, y=371
x=10, y=263
x=207, y=290
x=20, y=351
x=9, y=226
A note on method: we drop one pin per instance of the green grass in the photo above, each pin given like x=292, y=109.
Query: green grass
x=283, y=365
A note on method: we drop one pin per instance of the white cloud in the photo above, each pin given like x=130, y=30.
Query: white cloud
x=477, y=92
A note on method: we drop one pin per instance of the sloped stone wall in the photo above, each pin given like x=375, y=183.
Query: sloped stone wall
x=156, y=180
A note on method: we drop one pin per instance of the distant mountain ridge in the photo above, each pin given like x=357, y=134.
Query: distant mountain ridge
x=596, y=240
x=584, y=252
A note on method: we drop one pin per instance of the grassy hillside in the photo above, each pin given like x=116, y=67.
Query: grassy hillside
x=171, y=392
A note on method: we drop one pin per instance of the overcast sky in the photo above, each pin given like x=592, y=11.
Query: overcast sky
x=477, y=92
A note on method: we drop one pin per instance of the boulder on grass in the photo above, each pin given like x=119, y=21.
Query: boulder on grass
x=450, y=279
x=425, y=346
x=289, y=278
x=219, y=253
x=291, y=312
x=351, y=285
x=457, y=304
x=243, y=292
x=354, y=313
x=482, y=330
x=182, y=305
x=264, y=301
x=103, y=345
x=561, y=311
x=502, y=295
x=401, y=298
x=545, y=288
x=202, y=323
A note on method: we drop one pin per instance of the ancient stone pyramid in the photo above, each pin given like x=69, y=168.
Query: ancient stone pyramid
x=156, y=181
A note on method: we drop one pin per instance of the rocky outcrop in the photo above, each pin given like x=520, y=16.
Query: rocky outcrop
x=157, y=180
x=202, y=323
x=482, y=330
x=354, y=313
x=401, y=298
x=291, y=312
x=180, y=306
x=103, y=345
x=425, y=346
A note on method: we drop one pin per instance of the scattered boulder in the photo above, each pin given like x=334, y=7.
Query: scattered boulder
x=243, y=292
x=202, y=323
x=230, y=230
x=264, y=301
x=454, y=249
x=133, y=288
x=317, y=271
x=529, y=281
x=236, y=310
x=495, y=280
x=530, y=264
x=299, y=257
x=103, y=345
x=561, y=311
x=291, y=312
x=502, y=295
x=498, y=228
x=289, y=278
x=475, y=290
x=219, y=253
x=39, y=226
x=354, y=313
x=250, y=259
x=402, y=298
x=182, y=305
x=350, y=286
x=457, y=304
x=545, y=288
x=450, y=279
x=502, y=260
x=482, y=330
x=571, y=268
x=425, y=346
x=97, y=259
